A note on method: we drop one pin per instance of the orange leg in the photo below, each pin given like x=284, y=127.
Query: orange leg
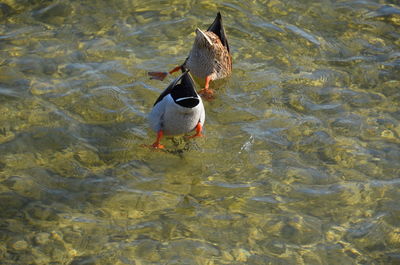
x=207, y=85
x=175, y=69
x=161, y=75
x=199, y=129
x=157, y=144
x=206, y=92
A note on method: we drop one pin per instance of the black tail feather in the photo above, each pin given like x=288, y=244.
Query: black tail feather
x=219, y=30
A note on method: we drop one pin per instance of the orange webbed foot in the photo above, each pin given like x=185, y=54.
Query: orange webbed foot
x=153, y=146
x=207, y=93
x=199, y=129
x=194, y=136
x=157, y=75
x=157, y=146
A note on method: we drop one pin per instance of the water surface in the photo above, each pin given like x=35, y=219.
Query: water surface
x=300, y=163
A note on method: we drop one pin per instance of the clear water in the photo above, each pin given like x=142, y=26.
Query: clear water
x=300, y=163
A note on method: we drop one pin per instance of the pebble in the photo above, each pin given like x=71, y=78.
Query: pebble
x=241, y=254
x=42, y=238
x=20, y=245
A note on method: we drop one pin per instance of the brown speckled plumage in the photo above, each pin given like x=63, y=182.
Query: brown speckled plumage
x=209, y=57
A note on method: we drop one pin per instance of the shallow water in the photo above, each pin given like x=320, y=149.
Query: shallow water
x=299, y=165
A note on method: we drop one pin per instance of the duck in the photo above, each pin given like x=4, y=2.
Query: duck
x=178, y=110
x=209, y=59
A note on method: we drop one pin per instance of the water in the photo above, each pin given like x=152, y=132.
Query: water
x=300, y=163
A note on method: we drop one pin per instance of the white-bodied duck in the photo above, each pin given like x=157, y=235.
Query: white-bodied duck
x=210, y=58
x=178, y=110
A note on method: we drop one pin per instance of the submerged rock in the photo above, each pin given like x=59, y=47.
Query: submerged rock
x=54, y=13
x=20, y=245
x=5, y=10
x=42, y=238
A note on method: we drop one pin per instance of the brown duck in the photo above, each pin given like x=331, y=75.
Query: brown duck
x=209, y=59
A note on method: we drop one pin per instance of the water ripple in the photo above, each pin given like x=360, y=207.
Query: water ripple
x=299, y=163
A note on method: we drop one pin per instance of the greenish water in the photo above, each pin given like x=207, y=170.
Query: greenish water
x=300, y=163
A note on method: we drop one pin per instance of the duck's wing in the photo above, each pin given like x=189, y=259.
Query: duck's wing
x=219, y=30
x=163, y=94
